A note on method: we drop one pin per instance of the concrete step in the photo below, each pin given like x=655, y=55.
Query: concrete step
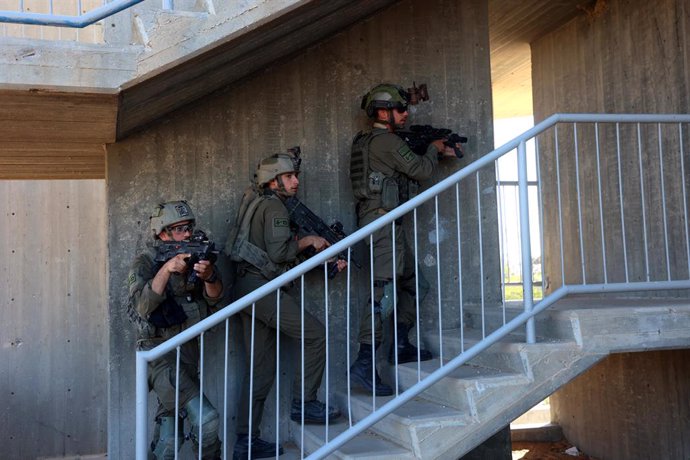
x=366, y=446
x=470, y=388
x=158, y=29
x=502, y=356
x=549, y=325
x=618, y=325
x=421, y=426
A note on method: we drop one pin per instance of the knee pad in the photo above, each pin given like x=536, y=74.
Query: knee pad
x=163, y=445
x=384, y=299
x=208, y=419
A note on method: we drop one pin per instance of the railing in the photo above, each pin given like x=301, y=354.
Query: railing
x=69, y=20
x=611, y=191
x=82, y=18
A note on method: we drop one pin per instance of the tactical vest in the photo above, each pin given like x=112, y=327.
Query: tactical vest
x=387, y=192
x=162, y=321
x=239, y=248
x=365, y=182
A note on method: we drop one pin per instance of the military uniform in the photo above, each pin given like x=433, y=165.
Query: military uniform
x=196, y=305
x=270, y=231
x=391, y=156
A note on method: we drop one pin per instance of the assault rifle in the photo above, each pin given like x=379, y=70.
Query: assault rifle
x=198, y=246
x=310, y=223
x=418, y=137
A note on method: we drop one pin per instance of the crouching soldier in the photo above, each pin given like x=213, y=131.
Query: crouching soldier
x=163, y=301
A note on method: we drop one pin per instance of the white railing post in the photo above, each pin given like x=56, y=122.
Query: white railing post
x=525, y=245
x=142, y=392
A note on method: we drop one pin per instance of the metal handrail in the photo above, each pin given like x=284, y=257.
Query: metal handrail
x=78, y=21
x=527, y=317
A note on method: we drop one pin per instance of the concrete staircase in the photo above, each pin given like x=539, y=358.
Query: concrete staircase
x=487, y=393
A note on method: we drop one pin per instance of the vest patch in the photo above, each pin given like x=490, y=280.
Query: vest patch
x=406, y=154
x=279, y=222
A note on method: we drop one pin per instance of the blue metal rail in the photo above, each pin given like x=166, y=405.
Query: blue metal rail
x=78, y=21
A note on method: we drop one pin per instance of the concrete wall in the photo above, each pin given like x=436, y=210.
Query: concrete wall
x=625, y=56
x=54, y=319
x=207, y=152
x=636, y=407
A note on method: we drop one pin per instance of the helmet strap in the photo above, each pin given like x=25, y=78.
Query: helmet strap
x=389, y=121
x=281, y=190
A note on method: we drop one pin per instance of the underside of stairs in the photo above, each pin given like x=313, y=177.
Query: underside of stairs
x=152, y=62
x=487, y=393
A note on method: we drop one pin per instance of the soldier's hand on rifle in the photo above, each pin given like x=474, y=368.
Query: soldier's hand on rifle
x=207, y=273
x=177, y=264
x=203, y=269
x=317, y=242
x=342, y=264
x=445, y=150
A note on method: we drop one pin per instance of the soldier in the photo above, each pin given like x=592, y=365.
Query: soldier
x=385, y=173
x=162, y=303
x=266, y=248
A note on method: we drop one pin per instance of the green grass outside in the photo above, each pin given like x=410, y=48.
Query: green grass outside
x=515, y=292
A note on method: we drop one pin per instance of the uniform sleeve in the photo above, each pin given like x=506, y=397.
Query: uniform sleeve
x=279, y=244
x=142, y=297
x=393, y=151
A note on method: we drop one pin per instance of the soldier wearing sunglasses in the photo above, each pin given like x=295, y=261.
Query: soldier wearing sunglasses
x=162, y=303
x=385, y=172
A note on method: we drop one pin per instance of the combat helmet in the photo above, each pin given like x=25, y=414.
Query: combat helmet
x=385, y=96
x=277, y=164
x=169, y=213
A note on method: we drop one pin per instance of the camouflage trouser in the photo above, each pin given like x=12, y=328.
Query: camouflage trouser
x=162, y=380
x=406, y=283
x=265, y=325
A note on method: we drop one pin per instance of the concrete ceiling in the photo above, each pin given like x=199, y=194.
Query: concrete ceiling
x=513, y=24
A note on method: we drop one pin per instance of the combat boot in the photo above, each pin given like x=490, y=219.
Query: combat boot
x=260, y=448
x=314, y=412
x=407, y=353
x=360, y=373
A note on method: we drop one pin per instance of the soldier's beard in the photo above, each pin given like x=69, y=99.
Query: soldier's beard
x=283, y=192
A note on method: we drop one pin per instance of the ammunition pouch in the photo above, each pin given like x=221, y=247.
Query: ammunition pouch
x=375, y=183
x=409, y=188
x=390, y=194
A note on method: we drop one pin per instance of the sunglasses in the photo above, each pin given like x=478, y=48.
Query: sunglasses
x=182, y=228
x=401, y=109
